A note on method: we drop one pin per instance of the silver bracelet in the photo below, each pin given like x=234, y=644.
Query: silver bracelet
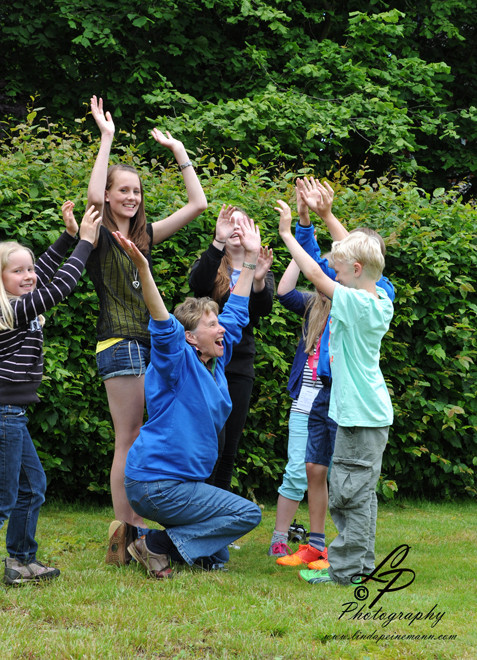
x=184, y=165
x=247, y=265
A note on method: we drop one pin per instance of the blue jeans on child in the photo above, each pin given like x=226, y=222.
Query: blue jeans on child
x=125, y=358
x=22, y=483
x=321, y=430
x=201, y=520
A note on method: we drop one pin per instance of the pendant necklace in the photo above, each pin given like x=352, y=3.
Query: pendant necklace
x=135, y=282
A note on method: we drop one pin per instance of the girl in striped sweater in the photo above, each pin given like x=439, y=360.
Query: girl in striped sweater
x=26, y=291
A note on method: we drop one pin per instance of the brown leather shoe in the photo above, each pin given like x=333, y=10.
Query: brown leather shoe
x=121, y=534
x=157, y=566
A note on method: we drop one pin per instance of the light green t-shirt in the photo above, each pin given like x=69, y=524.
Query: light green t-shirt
x=359, y=320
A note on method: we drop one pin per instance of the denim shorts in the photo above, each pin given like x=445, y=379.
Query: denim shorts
x=125, y=358
x=321, y=430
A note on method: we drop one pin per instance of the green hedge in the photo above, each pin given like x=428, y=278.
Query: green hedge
x=428, y=356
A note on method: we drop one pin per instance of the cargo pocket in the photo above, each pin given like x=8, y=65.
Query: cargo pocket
x=349, y=483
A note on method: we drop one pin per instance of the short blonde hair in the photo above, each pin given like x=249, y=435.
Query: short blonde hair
x=362, y=248
x=7, y=248
x=372, y=232
x=191, y=311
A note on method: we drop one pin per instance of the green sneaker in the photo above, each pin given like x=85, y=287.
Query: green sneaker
x=314, y=576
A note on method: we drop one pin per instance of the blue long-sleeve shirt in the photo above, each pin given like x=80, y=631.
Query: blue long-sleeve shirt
x=187, y=403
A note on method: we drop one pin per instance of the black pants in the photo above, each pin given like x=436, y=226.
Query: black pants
x=240, y=390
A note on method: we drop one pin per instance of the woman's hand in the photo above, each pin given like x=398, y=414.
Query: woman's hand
x=166, y=140
x=69, y=218
x=317, y=196
x=104, y=121
x=249, y=234
x=284, y=228
x=133, y=252
x=225, y=225
x=264, y=263
x=152, y=297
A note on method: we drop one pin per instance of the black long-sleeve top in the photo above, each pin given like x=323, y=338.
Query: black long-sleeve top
x=21, y=349
x=202, y=282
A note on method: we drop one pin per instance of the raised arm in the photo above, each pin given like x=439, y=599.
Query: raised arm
x=319, y=198
x=250, y=239
x=289, y=279
x=264, y=263
x=56, y=282
x=97, y=181
x=69, y=218
x=301, y=205
x=204, y=271
x=152, y=297
x=196, y=200
x=310, y=269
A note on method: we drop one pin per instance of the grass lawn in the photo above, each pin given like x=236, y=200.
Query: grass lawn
x=255, y=610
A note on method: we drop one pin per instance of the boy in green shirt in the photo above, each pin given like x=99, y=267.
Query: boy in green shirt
x=360, y=403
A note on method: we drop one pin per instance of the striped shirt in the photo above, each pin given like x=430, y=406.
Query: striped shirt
x=308, y=391
x=21, y=349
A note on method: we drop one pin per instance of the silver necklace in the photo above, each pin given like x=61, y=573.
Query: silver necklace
x=135, y=282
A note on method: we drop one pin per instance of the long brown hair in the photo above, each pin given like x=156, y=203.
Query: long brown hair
x=137, y=224
x=222, y=279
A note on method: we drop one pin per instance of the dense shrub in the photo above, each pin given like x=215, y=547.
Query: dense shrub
x=428, y=357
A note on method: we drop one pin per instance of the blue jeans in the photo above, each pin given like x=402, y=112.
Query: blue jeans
x=125, y=358
x=22, y=483
x=201, y=520
x=321, y=430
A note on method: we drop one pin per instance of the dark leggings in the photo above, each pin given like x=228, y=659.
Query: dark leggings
x=240, y=390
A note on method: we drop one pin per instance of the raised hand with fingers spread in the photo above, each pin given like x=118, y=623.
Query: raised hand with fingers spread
x=123, y=347
x=223, y=267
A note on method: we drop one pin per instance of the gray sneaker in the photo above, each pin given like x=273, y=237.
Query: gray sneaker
x=157, y=566
x=17, y=573
x=278, y=549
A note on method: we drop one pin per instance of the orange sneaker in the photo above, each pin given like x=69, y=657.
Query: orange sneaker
x=304, y=555
x=319, y=564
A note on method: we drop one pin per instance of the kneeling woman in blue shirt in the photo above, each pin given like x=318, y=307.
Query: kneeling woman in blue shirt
x=188, y=403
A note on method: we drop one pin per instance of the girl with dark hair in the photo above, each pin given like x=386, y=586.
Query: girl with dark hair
x=122, y=328
x=215, y=275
